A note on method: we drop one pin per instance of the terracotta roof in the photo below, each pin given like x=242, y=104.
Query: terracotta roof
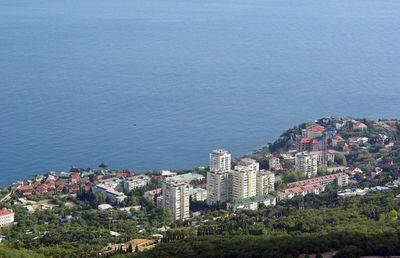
x=273, y=158
x=351, y=168
x=337, y=137
x=155, y=191
x=315, y=128
x=5, y=212
x=109, y=179
x=302, y=188
x=306, y=140
x=317, y=179
x=25, y=187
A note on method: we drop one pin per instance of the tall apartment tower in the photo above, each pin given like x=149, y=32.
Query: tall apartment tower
x=219, y=180
x=265, y=182
x=220, y=160
x=307, y=163
x=175, y=196
x=244, y=179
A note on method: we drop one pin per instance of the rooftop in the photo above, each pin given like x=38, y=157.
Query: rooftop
x=197, y=190
x=315, y=128
x=154, y=192
x=302, y=188
x=188, y=177
x=4, y=212
x=307, y=140
x=317, y=179
x=252, y=199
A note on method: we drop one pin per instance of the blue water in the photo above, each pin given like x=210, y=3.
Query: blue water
x=193, y=75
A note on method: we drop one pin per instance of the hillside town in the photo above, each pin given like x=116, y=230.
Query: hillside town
x=343, y=154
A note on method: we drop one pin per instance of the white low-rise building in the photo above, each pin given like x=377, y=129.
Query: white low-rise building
x=198, y=194
x=300, y=190
x=134, y=182
x=108, y=192
x=104, y=207
x=152, y=193
x=6, y=217
x=265, y=182
x=252, y=202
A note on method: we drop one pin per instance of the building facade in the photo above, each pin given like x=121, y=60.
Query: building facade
x=339, y=179
x=244, y=179
x=247, y=164
x=300, y=190
x=219, y=178
x=220, y=160
x=109, y=193
x=134, y=182
x=198, y=194
x=251, y=203
x=175, y=196
x=243, y=184
x=274, y=163
x=6, y=217
x=306, y=163
x=265, y=182
x=307, y=144
x=312, y=131
x=219, y=186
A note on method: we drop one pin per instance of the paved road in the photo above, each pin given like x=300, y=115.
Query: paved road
x=6, y=197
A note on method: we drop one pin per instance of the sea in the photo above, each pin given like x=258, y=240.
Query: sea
x=158, y=84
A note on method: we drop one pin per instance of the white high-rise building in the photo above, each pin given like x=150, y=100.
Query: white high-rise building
x=307, y=163
x=244, y=179
x=247, y=164
x=219, y=186
x=265, y=182
x=243, y=184
x=220, y=160
x=219, y=180
x=175, y=196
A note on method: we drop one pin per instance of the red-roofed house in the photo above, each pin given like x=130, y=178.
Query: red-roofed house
x=25, y=190
x=122, y=174
x=74, y=188
x=59, y=189
x=307, y=144
x=150, y=194
x=300, y=190
x=61, y=182
x=40, y=189
x=16, y=185
x=340, y=179
x=388, y=162
x=353, y=170
x=360, y=126
x=50, y=183
x=274, y=163
x=336, y=140
x=74, y=178
x=86, y=185
x=6, y=217
x=312, y=131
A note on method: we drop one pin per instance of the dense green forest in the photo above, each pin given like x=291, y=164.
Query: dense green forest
x=362, y=225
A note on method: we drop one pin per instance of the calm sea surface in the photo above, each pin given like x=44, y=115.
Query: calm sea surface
x=193, y=75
